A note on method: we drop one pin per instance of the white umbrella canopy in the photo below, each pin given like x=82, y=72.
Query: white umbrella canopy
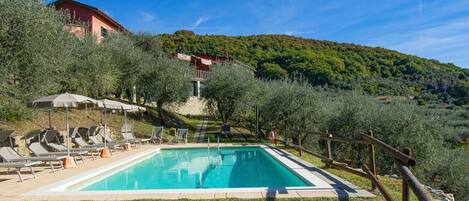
x=66, y=101
x=136, y=108
x=113, y=105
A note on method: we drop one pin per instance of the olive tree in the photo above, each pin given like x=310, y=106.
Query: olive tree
x=33, y=52
x=292, y=108
x=130, y=61
x=167, y=81
x=93, y=71
x=226, y=88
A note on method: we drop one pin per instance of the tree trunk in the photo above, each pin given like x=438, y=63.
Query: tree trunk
x=302, y=140
x=159, y=109
x=129, y=95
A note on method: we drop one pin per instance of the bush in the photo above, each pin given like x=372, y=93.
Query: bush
x=447, y=169
x=399, y=125
x=13, y=110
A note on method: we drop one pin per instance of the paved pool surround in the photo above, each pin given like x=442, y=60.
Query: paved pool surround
x=56, y=186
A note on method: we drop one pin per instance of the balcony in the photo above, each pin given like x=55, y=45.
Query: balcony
x=200, y=75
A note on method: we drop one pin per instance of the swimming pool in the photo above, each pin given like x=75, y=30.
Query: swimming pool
x=200, y=168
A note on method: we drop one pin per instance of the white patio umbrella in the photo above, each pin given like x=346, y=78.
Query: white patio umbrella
x=113, y=105
x=66, y=101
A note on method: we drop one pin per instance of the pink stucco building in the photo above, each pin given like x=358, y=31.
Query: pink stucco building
x=85, y=18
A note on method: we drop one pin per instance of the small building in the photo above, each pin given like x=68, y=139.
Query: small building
x=85, y=18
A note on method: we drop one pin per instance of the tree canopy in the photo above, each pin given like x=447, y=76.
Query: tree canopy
x=226, y=88
x=38, y=58
x=377, y=71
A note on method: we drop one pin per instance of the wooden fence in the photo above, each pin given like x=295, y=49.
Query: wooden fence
x=403, y=159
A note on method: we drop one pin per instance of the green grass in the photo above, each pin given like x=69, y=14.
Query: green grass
x=392, y=185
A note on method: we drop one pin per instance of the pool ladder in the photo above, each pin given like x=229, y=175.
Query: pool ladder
x=218, y=143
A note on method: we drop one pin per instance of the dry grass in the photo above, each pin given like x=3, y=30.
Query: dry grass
x=79, y=118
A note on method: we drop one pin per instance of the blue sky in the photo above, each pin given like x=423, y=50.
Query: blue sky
x=437, y=29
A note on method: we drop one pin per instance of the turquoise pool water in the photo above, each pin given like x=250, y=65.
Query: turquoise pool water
x=195, y=168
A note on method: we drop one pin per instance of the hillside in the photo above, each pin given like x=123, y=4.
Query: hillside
x=377, y=71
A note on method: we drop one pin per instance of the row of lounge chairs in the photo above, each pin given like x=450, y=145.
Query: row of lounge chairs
x=89, y=141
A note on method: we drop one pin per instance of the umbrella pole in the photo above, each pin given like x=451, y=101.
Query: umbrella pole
x=125, y=125
x=67, y=127
x=69, y=162
x=105, y=152
x=105, y=126
x=50, y=123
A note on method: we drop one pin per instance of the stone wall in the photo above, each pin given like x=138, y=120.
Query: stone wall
x=193, y=106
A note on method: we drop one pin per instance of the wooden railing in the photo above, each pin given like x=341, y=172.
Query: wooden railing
x=403, y=159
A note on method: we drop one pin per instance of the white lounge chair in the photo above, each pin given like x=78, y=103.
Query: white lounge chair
x=10, y=155
x=39, y=150
x=18, y=166
x=157, y=134
x=181, y=135
x=98, y=141
x=128, y=135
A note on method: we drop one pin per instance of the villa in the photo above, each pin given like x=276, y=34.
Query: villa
x=85, y=18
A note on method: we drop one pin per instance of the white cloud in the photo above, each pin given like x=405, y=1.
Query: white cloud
x=199, y=21
x=299, y=33
x=444, y=41
x=147, y=17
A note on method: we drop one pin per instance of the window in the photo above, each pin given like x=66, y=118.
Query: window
x=104, y=32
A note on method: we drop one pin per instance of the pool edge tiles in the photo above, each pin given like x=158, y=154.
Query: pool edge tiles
x=62, y=188
x=297, y=169
x=63, y=185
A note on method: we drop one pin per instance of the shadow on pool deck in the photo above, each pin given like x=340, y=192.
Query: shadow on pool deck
x=343, y=189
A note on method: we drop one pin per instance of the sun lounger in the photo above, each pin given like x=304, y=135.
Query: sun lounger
x=94, y=130
x=50, y=136
x=128, y=135
x=157, y=134
x=39, y=150
x=51, y=139
x=97, y=140
x=10, y=155
x=82, y=132
x=18, y=166
x=182, y=135
x=112, y=141
x=94, y=152
x=83, y=144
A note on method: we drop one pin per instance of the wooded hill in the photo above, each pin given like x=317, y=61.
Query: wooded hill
x=377, y=71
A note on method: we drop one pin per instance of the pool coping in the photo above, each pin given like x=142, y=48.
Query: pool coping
x=60, y=188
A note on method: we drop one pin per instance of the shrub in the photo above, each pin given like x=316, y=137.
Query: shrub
x=447, y=169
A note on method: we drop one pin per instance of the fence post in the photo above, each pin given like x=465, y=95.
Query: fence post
x=328, y=147
x=372, y=159
x=299, y=143
x=405, y=186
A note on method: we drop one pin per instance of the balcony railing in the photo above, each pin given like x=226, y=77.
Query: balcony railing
x=200, y=74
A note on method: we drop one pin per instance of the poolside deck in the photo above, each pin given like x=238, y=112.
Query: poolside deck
x=11, y=189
